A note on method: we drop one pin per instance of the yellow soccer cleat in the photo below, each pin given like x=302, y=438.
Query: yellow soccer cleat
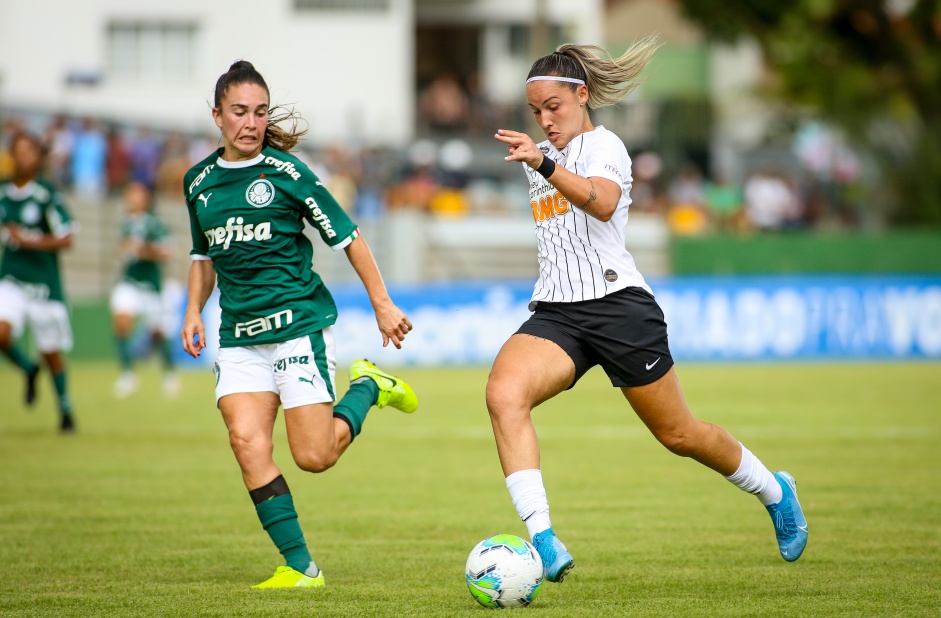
x=393, y=391
x=286, y=577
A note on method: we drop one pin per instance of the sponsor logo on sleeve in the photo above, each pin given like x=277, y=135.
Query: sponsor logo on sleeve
x=320, y=217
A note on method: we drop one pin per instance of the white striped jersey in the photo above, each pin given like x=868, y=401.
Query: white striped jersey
x=580, y=257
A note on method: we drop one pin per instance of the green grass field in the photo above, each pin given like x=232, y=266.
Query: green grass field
x=143, y=512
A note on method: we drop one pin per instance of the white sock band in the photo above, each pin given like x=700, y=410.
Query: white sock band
x=529, y=498
x=752, y=476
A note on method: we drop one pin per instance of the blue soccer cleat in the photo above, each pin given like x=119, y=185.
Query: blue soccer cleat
x=790, y=526
x=556, y=560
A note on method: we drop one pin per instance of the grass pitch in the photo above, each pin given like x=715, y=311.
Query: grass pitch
x=143, y=512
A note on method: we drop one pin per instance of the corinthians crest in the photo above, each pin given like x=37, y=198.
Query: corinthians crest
x=260, y=193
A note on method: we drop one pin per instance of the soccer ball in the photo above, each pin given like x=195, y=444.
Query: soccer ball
x=504, y=571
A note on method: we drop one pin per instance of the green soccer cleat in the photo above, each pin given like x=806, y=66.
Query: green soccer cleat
x=393, y=391
x=286, y=577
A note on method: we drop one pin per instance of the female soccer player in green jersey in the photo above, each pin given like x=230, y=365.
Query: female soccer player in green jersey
x=35, y=226
x=591, y=306
x=248, y=204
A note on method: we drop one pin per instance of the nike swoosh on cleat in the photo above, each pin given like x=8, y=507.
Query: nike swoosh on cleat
x=802, y=528
x=649, y=366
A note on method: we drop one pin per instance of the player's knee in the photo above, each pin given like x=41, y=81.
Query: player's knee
x=316, y=462
x=6, y=335
x=248, y=448
x=504, y=397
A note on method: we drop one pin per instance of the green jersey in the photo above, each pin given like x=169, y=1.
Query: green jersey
x=248, y=218
x=36, y=209
x=143, y=229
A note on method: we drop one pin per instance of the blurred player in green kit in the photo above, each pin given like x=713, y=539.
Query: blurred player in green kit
x=35, y=227
x=144, y=246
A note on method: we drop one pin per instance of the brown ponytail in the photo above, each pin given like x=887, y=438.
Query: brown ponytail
x=243, y=72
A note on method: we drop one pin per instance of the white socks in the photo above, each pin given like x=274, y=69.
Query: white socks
x=752, y=476
x=529, y=498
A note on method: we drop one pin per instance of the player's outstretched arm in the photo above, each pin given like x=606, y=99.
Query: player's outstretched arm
x=596, y=196
x=202, y=279
x=393, y=323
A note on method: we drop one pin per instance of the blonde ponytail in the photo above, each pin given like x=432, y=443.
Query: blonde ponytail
x=609, y=80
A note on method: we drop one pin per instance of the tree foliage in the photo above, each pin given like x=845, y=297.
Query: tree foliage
x=871, y=67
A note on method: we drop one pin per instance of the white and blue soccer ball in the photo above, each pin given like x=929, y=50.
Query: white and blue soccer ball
x=504, y=571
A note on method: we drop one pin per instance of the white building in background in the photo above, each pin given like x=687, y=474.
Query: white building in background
x=350, y=67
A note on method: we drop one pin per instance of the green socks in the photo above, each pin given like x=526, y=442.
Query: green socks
x=19, y=359
x=166, y=353
x=275, y=508
x=124, y=353
x=352, y=409
x=65, y=406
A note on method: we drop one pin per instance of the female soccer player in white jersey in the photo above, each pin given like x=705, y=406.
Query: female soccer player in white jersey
x=591, y=305
x=248, y=203
x=34, y=227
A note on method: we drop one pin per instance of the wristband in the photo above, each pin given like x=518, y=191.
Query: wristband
x=546, y=168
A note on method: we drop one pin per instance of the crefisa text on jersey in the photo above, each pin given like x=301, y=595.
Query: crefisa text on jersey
x=263, y=325
x=320, y=217
x=235, y=230
x=283, y=166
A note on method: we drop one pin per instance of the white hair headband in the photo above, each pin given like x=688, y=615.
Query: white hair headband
x=555, y=78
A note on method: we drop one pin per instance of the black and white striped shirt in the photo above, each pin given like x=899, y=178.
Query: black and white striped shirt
x=580, y=257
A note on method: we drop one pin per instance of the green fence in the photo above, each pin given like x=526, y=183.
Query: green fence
x=890, y=252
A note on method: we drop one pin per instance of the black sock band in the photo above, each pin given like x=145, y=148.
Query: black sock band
x=277, y=487
x=349, y=423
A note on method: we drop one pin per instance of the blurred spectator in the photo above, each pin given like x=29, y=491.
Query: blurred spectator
x=88, y=160
x=482, y=116
x=343, y=171
x=201, y=147
x=687, y=214
x=60, y=140
x=145, y=158
x=173, y=165
x=646, y=194
x=443, y=105
x=724, y=202
x=368, y=204
x=118, y=161
x=770, y=202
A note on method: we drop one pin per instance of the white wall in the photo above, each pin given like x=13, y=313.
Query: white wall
x=350, y=75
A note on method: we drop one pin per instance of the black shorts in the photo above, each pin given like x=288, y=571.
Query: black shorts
x=624, y=332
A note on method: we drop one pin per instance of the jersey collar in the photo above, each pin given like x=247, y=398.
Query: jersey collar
x=237, y=164
x=21, y=193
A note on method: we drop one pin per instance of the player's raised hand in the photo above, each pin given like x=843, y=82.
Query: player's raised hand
x=393, y=324
x=520, y=147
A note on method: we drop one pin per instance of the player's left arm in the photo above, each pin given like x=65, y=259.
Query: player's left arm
x=392, y=321
x=596, y=195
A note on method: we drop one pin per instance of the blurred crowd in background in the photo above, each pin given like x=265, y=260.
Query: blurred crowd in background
x=456, y=169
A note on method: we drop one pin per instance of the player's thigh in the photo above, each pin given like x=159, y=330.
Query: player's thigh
x=249, y=417
x=49, y=321
x=305, y=369
x=527, y=371
x=13, y=307
x=661, y=406
x=312, y=435
x=244, y=370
